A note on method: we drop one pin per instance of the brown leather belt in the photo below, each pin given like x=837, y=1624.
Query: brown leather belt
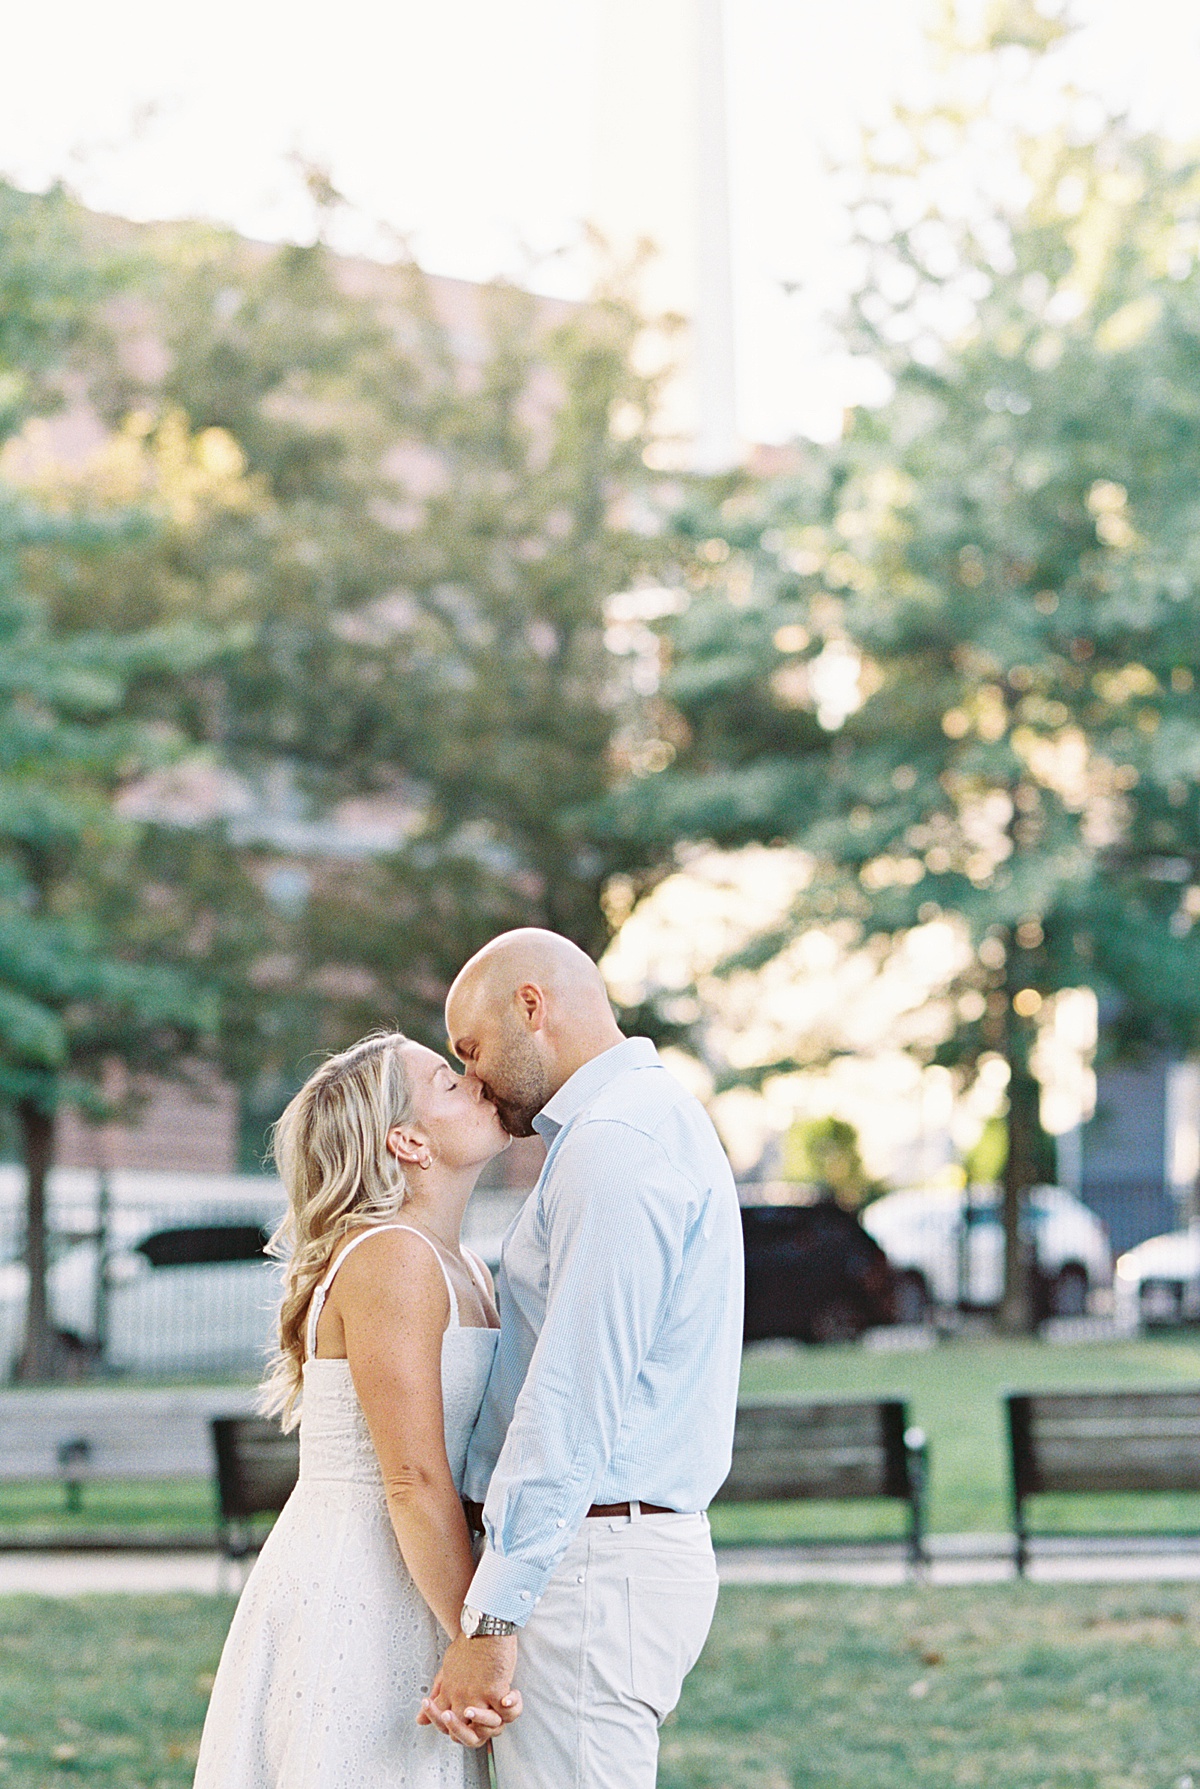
x=474, y=1511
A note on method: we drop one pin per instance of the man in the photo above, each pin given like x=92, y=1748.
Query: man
x=608, y=1421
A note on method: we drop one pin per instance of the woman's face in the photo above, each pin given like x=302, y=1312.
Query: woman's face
x=462, y=1126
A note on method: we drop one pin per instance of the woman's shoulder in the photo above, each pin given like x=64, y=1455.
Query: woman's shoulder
x=383, y=1256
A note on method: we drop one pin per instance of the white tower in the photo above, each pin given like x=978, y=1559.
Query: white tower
x=662, y=175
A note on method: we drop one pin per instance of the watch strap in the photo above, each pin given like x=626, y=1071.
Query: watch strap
x=493, y=1627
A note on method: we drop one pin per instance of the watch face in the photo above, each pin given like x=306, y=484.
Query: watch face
x=469, y=1620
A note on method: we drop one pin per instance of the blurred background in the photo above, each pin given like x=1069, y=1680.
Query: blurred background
x=721, y=482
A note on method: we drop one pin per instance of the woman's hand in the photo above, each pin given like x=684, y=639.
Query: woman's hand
x=474, y=1727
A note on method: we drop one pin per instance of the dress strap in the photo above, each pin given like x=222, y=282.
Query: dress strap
x=477, y=1271
x=317, y=1304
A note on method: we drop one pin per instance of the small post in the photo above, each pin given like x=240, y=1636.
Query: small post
x=73, y=1458
x=916, y=1448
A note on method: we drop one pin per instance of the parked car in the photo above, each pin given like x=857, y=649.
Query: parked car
x=813, y=1273
x=947, y=1246
x=179, y=1299
x=1158, y=1282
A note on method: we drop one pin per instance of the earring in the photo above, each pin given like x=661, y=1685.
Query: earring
x=425, y=1161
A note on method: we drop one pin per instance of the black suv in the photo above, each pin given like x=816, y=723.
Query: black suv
x=814, y=1274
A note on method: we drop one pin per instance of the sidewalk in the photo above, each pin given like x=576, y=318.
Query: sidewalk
x=970, y=1559
x=957, y=1559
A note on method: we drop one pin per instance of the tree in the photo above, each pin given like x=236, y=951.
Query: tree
x=498, y=696
x=99, y=938
x=823, y=1152
x=955, y=660
x=438, y=536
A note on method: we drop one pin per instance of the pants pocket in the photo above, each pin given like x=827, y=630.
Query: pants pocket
x=669, y=1619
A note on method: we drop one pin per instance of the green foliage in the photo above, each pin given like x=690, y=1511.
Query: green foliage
x=48, y=291
x=984, y=1164
x=496, y=698
x=824, y=1152
x=96, y=986
x=70, y=993
x=954, y=659
x=345, y=551
x=424, y=559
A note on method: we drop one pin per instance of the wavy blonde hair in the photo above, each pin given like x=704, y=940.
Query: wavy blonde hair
x=330, y=1147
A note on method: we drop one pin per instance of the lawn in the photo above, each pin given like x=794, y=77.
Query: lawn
x=158, y=1508
x=954, y=1392
x=107, y=1692
x=1009, y=1687
x=1014, y=1686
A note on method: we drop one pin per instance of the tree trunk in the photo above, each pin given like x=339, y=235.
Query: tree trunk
x=1016, y=1315
x=37, y=1148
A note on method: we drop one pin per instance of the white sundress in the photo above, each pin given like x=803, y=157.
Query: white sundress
x=332, y=1645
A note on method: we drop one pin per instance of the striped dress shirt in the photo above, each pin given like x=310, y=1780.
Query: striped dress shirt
x=620, y=1295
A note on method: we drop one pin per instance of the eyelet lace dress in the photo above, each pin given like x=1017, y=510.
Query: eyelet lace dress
x=332, y=1645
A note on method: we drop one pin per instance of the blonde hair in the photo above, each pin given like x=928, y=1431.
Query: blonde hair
x=330, y=1147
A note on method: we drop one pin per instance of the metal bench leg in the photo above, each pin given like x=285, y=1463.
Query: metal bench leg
x=917, y=1449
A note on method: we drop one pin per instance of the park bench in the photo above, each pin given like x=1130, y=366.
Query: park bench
x=257, y=1467
x=807, y=1451
x=1099, y=1441
x=80, y=1435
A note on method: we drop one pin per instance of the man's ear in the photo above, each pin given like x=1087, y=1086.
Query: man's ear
x=531, y=1005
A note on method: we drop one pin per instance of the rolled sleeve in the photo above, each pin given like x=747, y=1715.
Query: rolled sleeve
x=616, y=1216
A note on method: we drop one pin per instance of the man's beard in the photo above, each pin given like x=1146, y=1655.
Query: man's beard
x=520, y=1087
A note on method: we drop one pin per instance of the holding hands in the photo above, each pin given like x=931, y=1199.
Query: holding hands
x=472, y=1697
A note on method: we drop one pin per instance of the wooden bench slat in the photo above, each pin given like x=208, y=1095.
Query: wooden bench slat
x=814, y=1450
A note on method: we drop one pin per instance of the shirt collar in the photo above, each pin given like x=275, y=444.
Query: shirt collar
x=587, y=1081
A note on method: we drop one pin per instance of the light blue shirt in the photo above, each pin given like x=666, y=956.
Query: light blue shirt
x=620, y=1293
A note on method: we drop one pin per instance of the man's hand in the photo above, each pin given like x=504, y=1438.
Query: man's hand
x=473, y=1696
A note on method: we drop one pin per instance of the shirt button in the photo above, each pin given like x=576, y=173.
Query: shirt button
x=524, y=1596
x=579, y=1579
x=560, y=1523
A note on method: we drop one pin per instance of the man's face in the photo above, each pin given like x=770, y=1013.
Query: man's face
x=497, y=1049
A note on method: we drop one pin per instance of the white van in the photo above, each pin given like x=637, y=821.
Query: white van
x=947, y=1246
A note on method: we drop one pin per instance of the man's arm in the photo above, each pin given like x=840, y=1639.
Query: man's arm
x=616, y=1213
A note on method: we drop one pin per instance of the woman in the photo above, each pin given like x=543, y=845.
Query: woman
x=388, y=1327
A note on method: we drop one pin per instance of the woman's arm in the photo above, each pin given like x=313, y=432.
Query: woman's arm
x=393, y=1306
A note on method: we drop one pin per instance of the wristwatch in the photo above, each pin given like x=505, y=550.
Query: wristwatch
x=478, y=1626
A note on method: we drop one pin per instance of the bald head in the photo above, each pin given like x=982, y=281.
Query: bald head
x=523, y=1014
x=528, y=955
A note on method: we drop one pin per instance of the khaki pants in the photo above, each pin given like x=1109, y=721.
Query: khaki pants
x=603, y=1657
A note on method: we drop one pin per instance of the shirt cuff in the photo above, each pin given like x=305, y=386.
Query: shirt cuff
x=505, y=1587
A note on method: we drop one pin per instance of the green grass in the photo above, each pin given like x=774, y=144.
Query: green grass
x=107, y=1692
x=1009, y=1687
x=954, y=1393
x=1012, y=1686
x=164, y=1508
